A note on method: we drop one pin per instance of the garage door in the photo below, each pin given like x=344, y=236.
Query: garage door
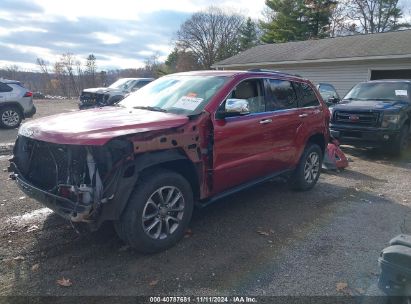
x=390, y=74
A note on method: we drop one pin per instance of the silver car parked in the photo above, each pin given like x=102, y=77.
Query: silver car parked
x=16, y=103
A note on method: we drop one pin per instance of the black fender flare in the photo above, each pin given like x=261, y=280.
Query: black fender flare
x=146, y=160
x=113, y=210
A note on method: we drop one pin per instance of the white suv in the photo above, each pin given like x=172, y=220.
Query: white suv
x=16, y=103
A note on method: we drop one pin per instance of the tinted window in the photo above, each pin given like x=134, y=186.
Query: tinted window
x=5, y=88
x=252, y=91
x=141, y=84
x=307, y=95
x=282, y=95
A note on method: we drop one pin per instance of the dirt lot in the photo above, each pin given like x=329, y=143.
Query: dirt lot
x=267, y=240
x=44, y=108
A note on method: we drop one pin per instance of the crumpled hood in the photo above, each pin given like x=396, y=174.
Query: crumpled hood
x=370, y=105
x=98, y=126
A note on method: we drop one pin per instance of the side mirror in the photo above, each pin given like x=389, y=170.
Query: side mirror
x=236, y=107
x=333, y=100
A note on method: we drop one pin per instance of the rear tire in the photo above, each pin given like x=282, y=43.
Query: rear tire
x=10, y=117
x=308, y=169
x=158, y=212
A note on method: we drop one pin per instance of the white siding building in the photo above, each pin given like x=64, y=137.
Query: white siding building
x=342, y=61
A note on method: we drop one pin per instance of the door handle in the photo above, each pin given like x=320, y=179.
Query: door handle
x=266, y=121
x=303, y=115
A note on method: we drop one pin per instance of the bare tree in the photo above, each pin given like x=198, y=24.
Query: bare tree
x=91, y=68
x=60, y=81
x=375, y=16
x=80, y=76
x=152, y=68
x=11, y=71
x=69, y=61
x=44, y=68
x=211, y=35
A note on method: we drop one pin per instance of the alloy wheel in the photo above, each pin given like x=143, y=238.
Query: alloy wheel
x=312, y=167
x=10, y=118
x=163, y=212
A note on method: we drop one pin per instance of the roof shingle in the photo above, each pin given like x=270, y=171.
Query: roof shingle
x=382, y=44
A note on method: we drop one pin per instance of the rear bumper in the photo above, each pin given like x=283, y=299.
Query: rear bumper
x=30, y=112
x=373, y=138
x=62, y=206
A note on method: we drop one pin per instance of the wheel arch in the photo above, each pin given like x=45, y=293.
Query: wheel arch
x=318, y=139
x=13, y=104
x=173, y=160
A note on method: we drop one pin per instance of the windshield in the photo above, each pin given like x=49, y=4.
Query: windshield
x=122, y=84
x=390, y=91
x=185, y=95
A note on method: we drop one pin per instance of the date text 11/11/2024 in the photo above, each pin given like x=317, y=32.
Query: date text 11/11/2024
x=203, y=299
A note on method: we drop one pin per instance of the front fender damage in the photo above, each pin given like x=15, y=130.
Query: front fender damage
x=100, y=179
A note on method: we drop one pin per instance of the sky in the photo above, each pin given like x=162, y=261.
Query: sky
x=120, y=33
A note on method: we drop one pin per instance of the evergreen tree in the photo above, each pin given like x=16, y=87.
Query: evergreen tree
x=294, y=20
x=287, y=21
x=318, y=14
x=248, y=35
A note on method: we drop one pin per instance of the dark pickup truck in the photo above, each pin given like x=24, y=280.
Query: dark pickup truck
x=374, y=114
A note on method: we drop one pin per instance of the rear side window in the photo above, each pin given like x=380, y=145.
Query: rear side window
x=307, y=96
x=5, y=88
x=282, y=95
x=141, y=84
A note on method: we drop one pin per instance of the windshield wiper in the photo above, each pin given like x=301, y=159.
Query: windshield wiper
x=157, y=109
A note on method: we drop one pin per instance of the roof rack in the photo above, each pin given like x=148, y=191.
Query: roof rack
x=272, y=71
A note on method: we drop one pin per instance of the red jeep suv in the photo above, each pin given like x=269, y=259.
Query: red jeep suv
x=184, y=139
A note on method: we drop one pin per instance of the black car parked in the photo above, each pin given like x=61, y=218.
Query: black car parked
x=374, y=114
x=100, y=97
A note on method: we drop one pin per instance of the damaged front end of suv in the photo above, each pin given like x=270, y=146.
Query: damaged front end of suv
x=73, y=180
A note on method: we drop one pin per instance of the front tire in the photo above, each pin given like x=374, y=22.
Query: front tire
x=308, y=169
x=10, y=117
x=158, y=212
x=401, y=143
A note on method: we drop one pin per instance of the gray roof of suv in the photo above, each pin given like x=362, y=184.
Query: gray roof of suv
x=9, y=81
x=372, y=46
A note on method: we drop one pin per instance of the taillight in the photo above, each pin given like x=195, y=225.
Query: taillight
x=28, y=94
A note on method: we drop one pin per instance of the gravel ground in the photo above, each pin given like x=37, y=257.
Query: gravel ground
x=267, y=240
x=44, y=108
